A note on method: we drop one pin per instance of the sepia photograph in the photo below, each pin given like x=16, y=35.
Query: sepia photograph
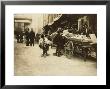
x=55, y=44
x=48, y=44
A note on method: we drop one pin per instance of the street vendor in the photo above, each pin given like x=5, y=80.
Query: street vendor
x=59, y=42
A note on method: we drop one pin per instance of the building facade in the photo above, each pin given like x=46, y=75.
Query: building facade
x=48, y=19
x=34, y=21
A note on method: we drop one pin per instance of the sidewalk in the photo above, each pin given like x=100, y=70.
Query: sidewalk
x=28, y=62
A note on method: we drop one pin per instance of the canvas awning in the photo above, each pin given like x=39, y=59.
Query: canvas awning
x=51, y=23
x=57, y=18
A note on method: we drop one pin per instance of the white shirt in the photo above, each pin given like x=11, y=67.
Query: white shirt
x=45, y=40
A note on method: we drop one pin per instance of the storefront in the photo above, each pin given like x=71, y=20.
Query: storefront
x=21, y=24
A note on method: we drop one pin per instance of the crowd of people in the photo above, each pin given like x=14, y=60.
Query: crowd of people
x=28, y=35
x=58, y=39
x=43, y=40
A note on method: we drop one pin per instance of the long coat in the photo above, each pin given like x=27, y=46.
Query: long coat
x=32, y=35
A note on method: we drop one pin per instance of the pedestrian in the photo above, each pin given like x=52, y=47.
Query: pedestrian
x=21, y=36
x=17, y=35
x=32, y=37
x=37, y=37
x=59, y=42
x=44, y=45
x=27, y=36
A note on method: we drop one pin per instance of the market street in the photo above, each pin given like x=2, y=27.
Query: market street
x=28, y=62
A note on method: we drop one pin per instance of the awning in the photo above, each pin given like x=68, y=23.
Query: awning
x=57, y=18
x=23, y=21
x=54, y=20
x=51, y=23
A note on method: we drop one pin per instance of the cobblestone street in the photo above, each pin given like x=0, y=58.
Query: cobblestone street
x=28, y=62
